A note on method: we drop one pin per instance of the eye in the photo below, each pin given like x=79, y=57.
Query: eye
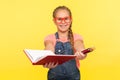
x=59, y=18
x=66, y=18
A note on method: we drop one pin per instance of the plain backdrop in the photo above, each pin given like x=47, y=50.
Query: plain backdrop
x=25, y=23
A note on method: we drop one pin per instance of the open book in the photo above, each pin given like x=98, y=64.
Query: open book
x=40, y=57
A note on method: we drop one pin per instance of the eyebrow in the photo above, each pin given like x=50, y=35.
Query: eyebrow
x=62, y=17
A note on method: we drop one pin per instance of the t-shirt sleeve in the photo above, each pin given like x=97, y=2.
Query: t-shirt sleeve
x=50, y=37
x=78, y=37
x=47, y=38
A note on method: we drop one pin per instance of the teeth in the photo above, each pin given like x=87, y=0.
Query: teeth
x=63, y=25
x=60, y=25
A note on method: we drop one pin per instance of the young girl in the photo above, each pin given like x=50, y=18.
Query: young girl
x=64, y=42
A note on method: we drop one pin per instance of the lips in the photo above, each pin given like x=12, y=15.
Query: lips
x=63, y=25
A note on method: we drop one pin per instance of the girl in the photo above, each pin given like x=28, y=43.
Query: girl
x=64, y=42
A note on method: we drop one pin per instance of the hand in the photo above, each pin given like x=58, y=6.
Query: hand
x=50, y=65
x=80, y=55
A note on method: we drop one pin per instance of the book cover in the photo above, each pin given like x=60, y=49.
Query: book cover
x=40, y=57
x=55, y=59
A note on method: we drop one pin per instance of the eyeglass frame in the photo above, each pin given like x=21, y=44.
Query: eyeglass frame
x=63, y=19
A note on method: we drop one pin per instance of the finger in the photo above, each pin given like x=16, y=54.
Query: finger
x=45, y=66
x=82, y=54
x=56, y=64
x=49, y=65
x=76, y=53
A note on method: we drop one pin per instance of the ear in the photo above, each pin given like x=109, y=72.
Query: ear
x=71, y=19
x=54, y=21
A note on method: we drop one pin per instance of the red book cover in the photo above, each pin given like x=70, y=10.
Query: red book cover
x=55, y=59
x=40, y=57
x=86, y=51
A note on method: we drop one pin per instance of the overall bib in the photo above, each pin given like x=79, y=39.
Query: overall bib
x=67, y=70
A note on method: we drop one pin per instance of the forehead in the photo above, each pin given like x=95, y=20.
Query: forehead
x=62, y=13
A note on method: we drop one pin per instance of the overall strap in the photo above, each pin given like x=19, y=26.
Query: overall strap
x=57, y=36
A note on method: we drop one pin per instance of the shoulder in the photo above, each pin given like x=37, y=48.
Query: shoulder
x=77, y=37
x=50, y=37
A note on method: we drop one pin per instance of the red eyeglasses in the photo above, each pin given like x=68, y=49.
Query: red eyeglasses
x=60, y=20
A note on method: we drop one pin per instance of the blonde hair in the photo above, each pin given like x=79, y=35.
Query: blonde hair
x=70, y=33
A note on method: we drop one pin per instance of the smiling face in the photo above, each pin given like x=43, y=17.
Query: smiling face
x=63, y=20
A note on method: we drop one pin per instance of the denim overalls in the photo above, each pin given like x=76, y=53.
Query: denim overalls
x=67, y=70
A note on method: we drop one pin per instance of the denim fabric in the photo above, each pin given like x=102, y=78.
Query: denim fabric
x=67, y=70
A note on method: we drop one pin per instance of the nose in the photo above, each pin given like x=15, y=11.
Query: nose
x=63, y=21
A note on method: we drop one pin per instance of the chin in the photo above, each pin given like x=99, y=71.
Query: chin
x=63, y=31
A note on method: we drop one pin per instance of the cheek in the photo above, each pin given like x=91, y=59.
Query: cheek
x=68, y=24
x=57, y=25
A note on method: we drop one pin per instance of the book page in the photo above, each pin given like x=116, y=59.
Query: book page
x=34, y=55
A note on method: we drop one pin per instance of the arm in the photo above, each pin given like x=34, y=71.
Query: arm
x=79, y=46
x=49, y=46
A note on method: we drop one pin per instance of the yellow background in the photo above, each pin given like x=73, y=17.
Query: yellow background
x=25, y=23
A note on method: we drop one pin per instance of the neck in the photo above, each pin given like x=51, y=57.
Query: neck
x=63, y=34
